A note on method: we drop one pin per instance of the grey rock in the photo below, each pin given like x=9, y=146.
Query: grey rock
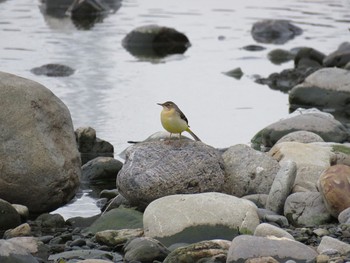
x=236, y=73
x=22, y=210
x=109, y=194
x=311, y=160
x=197, y=217
x=265, y=230
x=116, y=219
x=91, y=146
x=286, y=79
x=206, y=251
x=144, y=249
x=18, y=250
x=153, y=41
x=39, y=160
x=9, y=217
x=279, y=220
x=279, y=56
x=308, y=57
x=50, y=220
x=328, y=243
x=258, y=199
x=248, y=171
x=156, y=169
x=281, y=187
x=329, y=129
x=53, y=70
x=338, y=58
x=326, y=88
x=282, y=249
x=100, y=169
x=306, y=209
x=344, y=216
x=301, y=136
x=19, y=231
x=274, y=31
x=114, y=238
x=81, y=254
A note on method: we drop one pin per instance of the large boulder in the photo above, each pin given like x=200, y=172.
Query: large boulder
x=196, y=217
x=248, y=171
x=338, y=58
x=9, y=216
x=39, y=159
x=156, y=169
x=323, y=124
x=327, y=88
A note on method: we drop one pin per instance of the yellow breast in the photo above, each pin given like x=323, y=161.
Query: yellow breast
x=172, y=121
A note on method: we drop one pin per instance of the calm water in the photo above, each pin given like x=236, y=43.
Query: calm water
x=117, y=93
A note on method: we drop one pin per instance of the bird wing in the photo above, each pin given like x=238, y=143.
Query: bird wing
x=182, y=115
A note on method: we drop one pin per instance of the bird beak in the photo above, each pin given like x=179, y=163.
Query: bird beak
x=160, y=104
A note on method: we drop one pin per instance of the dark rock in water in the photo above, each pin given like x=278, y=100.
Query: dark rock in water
x=287, y=79
x=322, y=124
x=236, y=73
x=274, y=31
x=308, y=57
x=101, y=169
x=156, y=169
x=50, y=220
x=279, y=56
x=327, y=88
x=53, y=70
x=338, y=58
x=56, y=8
x=253, y=48
x=90, y=146
x=153, y=41
x=9, y=217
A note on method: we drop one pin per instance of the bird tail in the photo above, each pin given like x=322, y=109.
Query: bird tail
x=193, y=135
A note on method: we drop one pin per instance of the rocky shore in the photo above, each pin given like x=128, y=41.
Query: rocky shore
x=284, y=198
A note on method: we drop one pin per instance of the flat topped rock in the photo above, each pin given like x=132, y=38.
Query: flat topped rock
x=160, y=168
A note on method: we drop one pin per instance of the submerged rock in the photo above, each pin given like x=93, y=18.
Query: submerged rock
x=274, y=31
x=53, y=70
x=155, y=41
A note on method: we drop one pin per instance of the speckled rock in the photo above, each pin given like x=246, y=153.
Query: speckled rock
x=248, y=171
x=197, y=217
x=156, y=169
x=205, y=251
x=39, y=159
x=244, y=247
x=117, y=237
x=334, y=185
x=306, y=209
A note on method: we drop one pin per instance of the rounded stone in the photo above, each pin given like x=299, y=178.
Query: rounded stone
x=334, y=185
x=39, y=159
x=156, y=169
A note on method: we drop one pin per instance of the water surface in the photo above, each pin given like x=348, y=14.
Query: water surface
x=116, y=93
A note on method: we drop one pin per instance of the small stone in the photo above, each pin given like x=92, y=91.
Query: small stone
x=117, y=237
x=322, y=259
x=20, y=231
x=321, y=232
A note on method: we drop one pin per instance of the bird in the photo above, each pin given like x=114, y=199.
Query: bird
x=173, y=119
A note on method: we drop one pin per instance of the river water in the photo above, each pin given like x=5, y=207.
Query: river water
x=116, y=93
